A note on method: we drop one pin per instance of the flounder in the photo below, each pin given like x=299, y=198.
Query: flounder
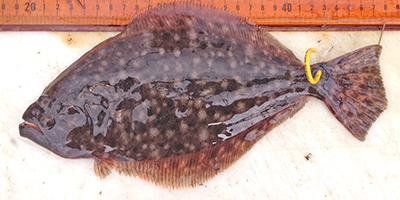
x=185, y=90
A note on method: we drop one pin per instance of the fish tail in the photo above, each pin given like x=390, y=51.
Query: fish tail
x=352, y=87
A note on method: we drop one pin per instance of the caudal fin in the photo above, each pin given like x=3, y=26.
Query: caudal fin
x=352, y=88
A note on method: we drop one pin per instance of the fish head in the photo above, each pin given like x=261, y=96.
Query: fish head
x=50, y=128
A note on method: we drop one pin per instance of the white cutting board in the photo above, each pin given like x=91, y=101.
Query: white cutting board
x=339, y=166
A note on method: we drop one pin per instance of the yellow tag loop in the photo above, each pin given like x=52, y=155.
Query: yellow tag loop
x=308, y=68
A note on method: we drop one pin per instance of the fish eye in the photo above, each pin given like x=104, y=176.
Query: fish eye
x=47, y=121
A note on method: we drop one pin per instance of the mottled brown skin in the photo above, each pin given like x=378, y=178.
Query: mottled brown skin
x=186, y=90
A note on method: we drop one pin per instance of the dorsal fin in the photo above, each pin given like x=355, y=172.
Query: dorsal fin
x=183, y=14
x=201, y=17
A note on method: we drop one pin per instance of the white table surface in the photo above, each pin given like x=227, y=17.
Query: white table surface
x=340, y=166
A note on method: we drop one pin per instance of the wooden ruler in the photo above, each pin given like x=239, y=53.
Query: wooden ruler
x=113, y=15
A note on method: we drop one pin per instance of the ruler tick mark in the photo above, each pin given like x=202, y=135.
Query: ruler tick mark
x=265, y=12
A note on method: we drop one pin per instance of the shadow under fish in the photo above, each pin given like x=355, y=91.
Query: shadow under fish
x=185, y=90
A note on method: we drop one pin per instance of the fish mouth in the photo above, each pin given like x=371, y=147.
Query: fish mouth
x=33, y=132
x=31, y=125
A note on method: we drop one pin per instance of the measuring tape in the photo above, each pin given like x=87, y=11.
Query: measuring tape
x=109, y=15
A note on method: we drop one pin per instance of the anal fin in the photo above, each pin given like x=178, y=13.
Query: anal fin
x=187, y=170
x=181, y=171
x=102, y=168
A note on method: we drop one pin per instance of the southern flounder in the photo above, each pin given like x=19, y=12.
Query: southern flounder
x=185, y=90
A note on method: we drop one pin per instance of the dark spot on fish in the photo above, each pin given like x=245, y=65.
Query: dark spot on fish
x=217, y=45
x=100, y=118
x=288, y=76
x=299, y=89
x=166, y=36
x=203, y=45
x=72, y=111
x=127, y=84
x=80, y=135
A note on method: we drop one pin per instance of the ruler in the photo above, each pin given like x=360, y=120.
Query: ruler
x=114, y=15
